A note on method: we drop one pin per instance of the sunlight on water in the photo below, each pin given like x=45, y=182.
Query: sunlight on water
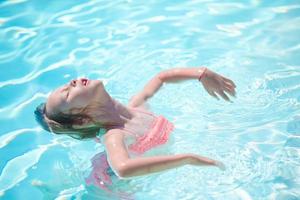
x=125, y=43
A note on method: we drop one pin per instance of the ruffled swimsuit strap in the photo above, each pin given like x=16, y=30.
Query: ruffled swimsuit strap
x=157, y=134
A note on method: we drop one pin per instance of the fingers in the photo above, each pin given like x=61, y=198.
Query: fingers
x=223, y=95
x=229, y=90
x=212, y=93
x=219, y=89
x=220, y=165
x=229, y=87
x=220, y=92
x=230, y=81
x=227, y=84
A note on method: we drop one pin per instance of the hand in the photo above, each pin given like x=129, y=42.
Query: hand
x=220, y=165
x=201, y=161
x=215, y=83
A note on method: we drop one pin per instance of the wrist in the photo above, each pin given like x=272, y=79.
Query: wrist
x=203, y=73
x=200, y=160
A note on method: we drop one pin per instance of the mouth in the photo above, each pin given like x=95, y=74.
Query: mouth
x=84, y=81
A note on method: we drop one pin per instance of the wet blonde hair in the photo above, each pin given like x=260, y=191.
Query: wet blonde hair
x=69, y=124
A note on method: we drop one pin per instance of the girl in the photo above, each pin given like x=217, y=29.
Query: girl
x=82, y=108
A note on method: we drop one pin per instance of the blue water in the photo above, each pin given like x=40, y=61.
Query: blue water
x=44, y=44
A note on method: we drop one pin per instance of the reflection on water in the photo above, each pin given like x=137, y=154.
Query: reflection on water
x=124, y=43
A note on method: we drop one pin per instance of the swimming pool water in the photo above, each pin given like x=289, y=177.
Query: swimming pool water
x=44, y=44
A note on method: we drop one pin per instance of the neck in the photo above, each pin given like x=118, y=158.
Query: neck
x=113, y=114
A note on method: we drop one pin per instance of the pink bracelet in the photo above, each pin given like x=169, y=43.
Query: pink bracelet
x=203, y=73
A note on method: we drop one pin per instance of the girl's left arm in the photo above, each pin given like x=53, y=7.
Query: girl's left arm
x=211, y=81
x=126, y=167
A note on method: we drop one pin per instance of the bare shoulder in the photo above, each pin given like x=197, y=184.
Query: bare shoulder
x=114, y=145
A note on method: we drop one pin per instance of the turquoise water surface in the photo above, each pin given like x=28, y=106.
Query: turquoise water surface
x=44, y=44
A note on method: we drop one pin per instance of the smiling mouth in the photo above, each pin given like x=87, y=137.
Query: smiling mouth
x=84, y=81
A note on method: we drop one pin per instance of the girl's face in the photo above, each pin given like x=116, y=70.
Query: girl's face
x=77, y=94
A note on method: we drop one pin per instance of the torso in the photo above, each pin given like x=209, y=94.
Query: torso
x=140, y=123
x=142, y=130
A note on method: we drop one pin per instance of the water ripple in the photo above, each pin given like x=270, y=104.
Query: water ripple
x=12, y=2
x=71, y=192
x=225, y=8
x=16, y=108
x=16, y=169
x=236, y=28
x=6, y=138
x=285, y=9
x=34, y=74
x=125, y=43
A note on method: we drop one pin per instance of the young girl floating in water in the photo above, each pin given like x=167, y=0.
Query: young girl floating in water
x=82, y=107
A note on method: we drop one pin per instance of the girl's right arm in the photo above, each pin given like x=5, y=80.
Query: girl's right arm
x=212, y=82
x=125, y=166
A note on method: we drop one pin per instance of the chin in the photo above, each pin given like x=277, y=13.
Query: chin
x=96, y=86
x=98, y=82
x=95, y=83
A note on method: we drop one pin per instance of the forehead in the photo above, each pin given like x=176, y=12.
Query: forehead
x=56, y=102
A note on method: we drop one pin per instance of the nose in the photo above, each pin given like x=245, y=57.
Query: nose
x=73, y=83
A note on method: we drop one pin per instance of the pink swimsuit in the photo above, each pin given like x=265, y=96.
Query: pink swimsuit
x=150, y=132
x=147, y=132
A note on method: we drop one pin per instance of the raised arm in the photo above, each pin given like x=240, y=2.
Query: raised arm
x=211, y=81
x=126, y=167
